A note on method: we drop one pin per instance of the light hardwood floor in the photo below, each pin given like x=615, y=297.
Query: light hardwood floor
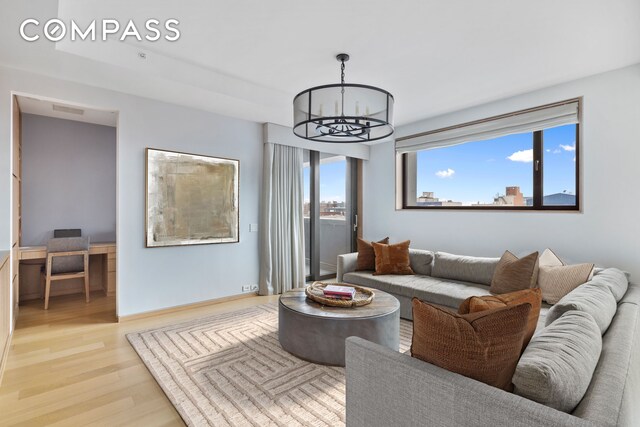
x=73, y=366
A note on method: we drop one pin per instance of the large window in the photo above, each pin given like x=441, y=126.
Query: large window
x=524, y=161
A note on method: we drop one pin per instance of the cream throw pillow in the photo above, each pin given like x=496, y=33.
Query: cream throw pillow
x=555, y=279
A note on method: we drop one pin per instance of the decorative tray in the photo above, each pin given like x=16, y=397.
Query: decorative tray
x=362, y=297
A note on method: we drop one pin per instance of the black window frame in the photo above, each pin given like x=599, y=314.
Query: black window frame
x=538, y=179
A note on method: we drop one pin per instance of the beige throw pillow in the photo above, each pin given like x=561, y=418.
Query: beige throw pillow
x=556, y=282
x=513, y=274
x=549, y=259
x=555, y=279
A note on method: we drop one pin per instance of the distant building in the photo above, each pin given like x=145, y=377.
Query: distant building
x=336, y=209
x=428, y=199
x=560, y=199
x=328, y=209
x=512, y=197
x=557, y=199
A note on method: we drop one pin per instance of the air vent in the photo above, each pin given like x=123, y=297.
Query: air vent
x=65, y=109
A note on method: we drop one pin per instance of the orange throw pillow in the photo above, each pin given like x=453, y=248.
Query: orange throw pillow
x=366, y=255
x=484, y=346
x=392, y=259
x=531, y=296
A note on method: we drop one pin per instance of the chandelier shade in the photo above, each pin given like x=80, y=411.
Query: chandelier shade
x=343, y=112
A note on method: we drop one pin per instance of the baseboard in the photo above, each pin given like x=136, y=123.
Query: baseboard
x=57, y=293
x=177, y=308
x=5, y=355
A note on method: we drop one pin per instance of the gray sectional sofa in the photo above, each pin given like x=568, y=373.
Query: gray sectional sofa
x=388, y=388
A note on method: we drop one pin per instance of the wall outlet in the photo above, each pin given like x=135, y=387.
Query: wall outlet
x=254, y=287
x=253, y=228
x=246, y=288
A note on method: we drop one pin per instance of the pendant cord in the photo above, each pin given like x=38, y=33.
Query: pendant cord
x=342, y=82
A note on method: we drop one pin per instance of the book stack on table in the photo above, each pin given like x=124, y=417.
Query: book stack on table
x=339, y=292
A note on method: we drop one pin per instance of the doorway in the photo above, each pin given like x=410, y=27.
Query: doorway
x=65, y=176
x=330, y=211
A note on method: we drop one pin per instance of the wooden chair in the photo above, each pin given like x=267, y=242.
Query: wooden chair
x=67, y=232
x=67, y=258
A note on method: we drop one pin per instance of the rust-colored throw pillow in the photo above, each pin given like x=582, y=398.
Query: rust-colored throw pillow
x=484, y=346
x=366, y=255
x=392, y=259
x=513, y=274
x=488, y=302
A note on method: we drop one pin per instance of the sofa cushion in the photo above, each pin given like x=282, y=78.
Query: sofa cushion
x=464, y=268
x=531, y=296
x=591, y=298
x=449, y=293
x=392, y=259
x=366, y=254
x=514, y=274
x=615, y=280
x=557, y=365
x=484, y=346
x=389, y=283
x=612, y=397
x=421, y=261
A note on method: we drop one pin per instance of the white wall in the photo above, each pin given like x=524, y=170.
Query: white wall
x=607, y=231
x=68, y=179
x=150, y=279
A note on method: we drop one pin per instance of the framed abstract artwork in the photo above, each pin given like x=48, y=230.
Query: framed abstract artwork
x=191, y=199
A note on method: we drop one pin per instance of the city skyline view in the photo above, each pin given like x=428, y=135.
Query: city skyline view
x=479, y=171
x=332, y=180
x=474, y=172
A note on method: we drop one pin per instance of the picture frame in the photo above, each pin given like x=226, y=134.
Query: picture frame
x=190, y=199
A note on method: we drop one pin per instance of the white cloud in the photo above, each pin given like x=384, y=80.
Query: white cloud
x=547, y=150
x=525, y=156
x=557, y=151
x=446, y=173
x=568, y=147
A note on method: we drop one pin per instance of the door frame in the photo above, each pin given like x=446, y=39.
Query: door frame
x=352, y=191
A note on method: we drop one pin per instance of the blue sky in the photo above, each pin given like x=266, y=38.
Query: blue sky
x=477, y=171
x=332, y=181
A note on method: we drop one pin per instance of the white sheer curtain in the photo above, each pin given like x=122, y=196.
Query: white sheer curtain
x=282, y=228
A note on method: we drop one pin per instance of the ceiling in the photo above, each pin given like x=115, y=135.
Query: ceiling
x=248, y=58
x=62, y=110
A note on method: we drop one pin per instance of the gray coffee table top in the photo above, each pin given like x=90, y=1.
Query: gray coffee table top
x=382, y=304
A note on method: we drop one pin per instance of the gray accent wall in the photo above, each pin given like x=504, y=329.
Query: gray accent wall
x=68, y=179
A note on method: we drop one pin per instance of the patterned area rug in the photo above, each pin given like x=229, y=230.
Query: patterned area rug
x=229, y=370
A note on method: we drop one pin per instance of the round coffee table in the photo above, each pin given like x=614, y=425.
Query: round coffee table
x=317, y=333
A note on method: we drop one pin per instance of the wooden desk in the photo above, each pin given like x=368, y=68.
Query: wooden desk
x=107, y=250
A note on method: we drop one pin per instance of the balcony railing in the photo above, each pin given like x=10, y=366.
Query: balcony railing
x=335, y=239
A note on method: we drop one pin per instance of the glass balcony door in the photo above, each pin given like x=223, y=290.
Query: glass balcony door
x=329, y=210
